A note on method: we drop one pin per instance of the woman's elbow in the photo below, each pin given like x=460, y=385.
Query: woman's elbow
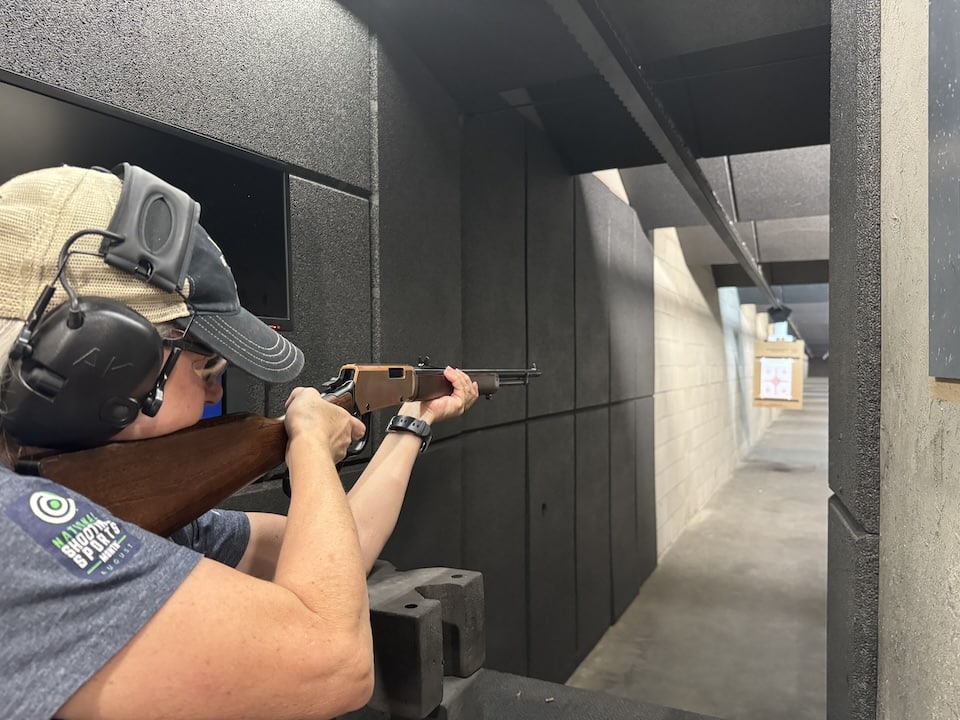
x=358, y=676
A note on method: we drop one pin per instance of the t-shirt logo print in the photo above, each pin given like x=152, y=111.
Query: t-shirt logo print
x=52, y=508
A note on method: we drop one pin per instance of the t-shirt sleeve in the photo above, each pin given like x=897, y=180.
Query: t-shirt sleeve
x=220, y=535
x=76, y=584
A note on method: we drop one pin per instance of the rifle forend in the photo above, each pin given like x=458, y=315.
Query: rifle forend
x=364, y=388
x=139, y=482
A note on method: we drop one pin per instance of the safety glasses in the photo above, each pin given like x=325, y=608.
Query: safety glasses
x=210, y=367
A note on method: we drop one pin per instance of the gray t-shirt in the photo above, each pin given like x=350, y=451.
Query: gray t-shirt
x=76, y=583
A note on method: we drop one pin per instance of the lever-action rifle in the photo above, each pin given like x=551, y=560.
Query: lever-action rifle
x=164, y=483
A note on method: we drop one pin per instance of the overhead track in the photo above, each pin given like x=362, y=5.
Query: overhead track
x=589, y=25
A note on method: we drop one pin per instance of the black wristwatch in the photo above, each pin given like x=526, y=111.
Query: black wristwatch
x=405, y=423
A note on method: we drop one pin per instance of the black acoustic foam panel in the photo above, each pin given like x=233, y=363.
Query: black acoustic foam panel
x=646, y=488
x=592, y=303
x=624, y=293
x=551, y=569
x=643, y=294
x=419, y=216
x=493, y=256
x=852, y=616
x=304, y=101
x=855, y=259
x=594, y=589
x=550, y=278
x=944, y=178
x=330, y=283
x=494, y=537
x=624, y=545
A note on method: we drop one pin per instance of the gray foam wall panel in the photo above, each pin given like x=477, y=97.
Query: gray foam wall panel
x=288, y=80
x=794, y=239
x=944, y=176
x=624, y=293
x=643, y=310
x=550, y=278
x=702, y=246
x=243, y=393
x=330, y=283
x=494, y=258
x=418, y=277
x=855, y=258
x=646, y=489
x=852, y=617
x=592, y=309
x=782, y=183
x=552, y=548
x=661, y=201
x=494, y=537
x=624, y=545
x=592, y=527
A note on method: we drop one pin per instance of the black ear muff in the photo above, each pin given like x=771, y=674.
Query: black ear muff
x=77, y=387
x=156, y=221
x=79, y=374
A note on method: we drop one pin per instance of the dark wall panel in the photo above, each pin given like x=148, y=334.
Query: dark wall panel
x=643, y=310
x=852, y=617
x=944, y=176
x=428, y=531
x=592, y=312
x=646, y=489
x=623, y=293
x=552, y=548
x=494, y=538
x=243, y=393
x=213, y=68
x=592, y=527
x=418, y=276
x=855, y=367
x=494, y=257
x=330, y=283
x=623, y=506
x=550, y=278
x=855, y=258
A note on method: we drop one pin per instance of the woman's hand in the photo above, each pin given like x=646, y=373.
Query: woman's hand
x=463, y=395
x=308, y=415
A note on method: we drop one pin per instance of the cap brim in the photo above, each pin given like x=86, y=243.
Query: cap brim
x=247, y=343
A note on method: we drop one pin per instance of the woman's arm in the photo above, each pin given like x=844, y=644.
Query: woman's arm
x=263, y=548
x=378, y=495
x=229, y=645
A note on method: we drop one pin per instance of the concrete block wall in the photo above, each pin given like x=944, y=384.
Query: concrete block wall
x=905, y=584
x=703, y=413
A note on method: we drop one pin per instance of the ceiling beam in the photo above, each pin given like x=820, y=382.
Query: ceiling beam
x=589, y=25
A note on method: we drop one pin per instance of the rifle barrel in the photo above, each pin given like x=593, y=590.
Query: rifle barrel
x=509, y=376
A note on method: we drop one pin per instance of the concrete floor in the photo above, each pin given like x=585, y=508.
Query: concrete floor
x=732, y=623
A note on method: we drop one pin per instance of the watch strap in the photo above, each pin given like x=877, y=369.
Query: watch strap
x=406, y=423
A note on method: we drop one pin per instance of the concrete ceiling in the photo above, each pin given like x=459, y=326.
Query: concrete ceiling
x=746, y=84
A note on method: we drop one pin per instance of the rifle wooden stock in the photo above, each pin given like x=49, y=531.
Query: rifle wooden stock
x=164, y=483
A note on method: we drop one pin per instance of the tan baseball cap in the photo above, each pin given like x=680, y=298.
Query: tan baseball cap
x=40, y=210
